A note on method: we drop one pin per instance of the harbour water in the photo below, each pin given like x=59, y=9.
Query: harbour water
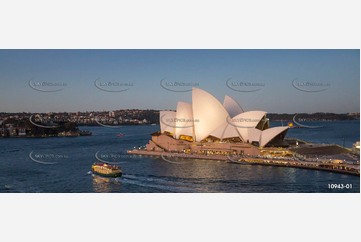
x=62, y=164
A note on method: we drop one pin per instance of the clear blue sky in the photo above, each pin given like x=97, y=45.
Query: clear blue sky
x=210, y=68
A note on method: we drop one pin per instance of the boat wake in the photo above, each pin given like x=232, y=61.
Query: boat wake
x=163, y=184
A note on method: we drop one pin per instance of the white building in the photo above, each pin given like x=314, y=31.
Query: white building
x=206, y=120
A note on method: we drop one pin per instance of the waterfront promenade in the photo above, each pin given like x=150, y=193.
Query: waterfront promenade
x=352, y=169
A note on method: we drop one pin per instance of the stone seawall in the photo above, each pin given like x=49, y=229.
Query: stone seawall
x=345, y=169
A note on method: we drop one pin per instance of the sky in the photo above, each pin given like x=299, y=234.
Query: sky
x=275, y=81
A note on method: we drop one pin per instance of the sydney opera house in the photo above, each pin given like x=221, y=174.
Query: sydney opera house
x=206, y=126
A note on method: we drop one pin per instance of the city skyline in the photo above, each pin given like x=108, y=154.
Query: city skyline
x=278, y=81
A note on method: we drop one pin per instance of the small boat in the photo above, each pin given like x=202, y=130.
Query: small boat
x=106, y=170
x=120, y=135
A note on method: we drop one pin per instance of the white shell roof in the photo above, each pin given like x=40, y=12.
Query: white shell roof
x=225, y=131
x=254, y=135
x=209, y=113
x=247, y=119
x=184, y=120
x=232, y=106
x=268, y=134
x=167, y=121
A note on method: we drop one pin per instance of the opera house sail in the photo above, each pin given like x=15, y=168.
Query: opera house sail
x=207, y=126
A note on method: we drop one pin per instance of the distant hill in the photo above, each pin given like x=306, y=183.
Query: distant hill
x=314, y=116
